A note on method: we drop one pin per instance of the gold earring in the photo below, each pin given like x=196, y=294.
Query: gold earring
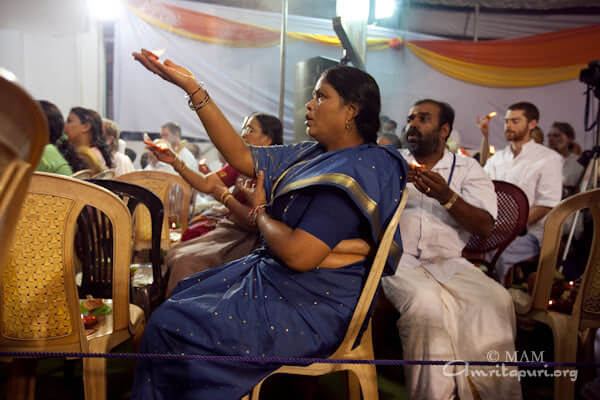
x=348, y=125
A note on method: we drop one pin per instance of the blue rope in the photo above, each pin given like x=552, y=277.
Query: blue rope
x=295, y=360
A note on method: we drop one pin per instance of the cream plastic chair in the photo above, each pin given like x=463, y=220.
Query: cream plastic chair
x=39, y=305
x=161, y=184
x=365, y=376
x=23, y=135
x=566, y=328
x=82, y=174
x=106, y=174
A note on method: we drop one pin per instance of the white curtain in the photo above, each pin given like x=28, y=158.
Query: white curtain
x=55, y=51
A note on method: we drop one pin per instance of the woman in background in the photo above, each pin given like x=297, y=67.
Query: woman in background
x=59, y=156
x=84, y=130
x=232, y=237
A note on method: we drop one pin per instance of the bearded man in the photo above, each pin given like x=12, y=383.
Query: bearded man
x=449, y=310
x=536, y=169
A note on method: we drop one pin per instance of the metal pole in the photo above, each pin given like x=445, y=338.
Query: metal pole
x=476, y=24
x=282, y=50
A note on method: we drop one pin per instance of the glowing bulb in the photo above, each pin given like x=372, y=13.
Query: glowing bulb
x=105, y=10
x=384, y=8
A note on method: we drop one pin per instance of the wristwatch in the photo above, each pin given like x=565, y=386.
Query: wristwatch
x=448, y=205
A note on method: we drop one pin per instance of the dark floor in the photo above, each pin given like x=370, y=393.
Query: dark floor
x=60, y=380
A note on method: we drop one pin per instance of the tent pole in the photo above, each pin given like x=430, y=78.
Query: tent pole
x=282, y=50
x=476, y=24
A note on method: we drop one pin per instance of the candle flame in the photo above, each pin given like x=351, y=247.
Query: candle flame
x=550, y=302
x=158, y=52
x=492, y=150
x=492, y=114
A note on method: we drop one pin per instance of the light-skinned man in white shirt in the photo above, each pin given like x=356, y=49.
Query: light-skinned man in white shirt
x=534, y=168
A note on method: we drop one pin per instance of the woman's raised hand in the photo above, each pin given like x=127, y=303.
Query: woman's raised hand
x=169, y=71
x=163, y=153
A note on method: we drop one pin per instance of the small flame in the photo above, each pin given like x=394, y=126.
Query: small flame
x=202, y=161
x=158, y=52
x=492, y=150
x=416, y=164
x=551, y=302
x=492, y=114
x=173, y=225
x=162, y=145
x=571, y=283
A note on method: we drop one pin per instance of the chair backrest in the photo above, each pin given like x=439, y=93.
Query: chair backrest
x=587, y=303
x=106, y=174
x=94, y=241
x=39, y=306
x=164, y=185
x=372, y=283
x=23, y=135
x=23, y=126
x=82, y=174
x=513, y=210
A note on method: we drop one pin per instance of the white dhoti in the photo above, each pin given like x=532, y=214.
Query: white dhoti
x=468, y=317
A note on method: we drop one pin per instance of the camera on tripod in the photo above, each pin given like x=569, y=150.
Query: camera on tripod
x=591, y=76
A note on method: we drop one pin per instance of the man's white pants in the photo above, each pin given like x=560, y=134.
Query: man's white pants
x=469, y=317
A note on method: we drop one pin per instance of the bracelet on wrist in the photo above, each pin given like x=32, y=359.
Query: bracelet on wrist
x=227, y=198
x=253, y=214
x=179, y=168
x=203, y=102
x=448, y=205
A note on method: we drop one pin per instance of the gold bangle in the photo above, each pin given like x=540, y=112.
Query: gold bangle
x=448, y=205
x=227, y=197
x=205, y=100
x=181, y=167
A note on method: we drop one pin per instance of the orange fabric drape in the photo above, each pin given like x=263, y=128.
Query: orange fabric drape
x=547, y=50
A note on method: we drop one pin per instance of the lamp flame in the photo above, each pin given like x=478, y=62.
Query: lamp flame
x=416, y=164
x=492, y=150
x=492, y=114
x=551, y=302
x=173, y=225
x=158, y=52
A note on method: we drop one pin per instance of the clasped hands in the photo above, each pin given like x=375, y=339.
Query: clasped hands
x=430, y=183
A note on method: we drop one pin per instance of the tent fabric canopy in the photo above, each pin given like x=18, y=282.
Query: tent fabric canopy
x=511, y=4
x=222, y=31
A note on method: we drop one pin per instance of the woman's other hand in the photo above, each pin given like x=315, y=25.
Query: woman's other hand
x=169, y=71
x=254, y=190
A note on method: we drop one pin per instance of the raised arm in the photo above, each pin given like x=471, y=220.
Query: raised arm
x=484, y=149
x=220, y=131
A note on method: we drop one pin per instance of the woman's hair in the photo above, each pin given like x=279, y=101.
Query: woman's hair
x=110, y=128
x=356, y=86
x=271, y=127
x=97, y=140
x=56, y=125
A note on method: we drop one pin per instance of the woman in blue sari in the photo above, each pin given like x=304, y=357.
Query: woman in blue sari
x=321, y=209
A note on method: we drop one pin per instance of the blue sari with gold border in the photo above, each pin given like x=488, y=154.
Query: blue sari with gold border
x=257, y=306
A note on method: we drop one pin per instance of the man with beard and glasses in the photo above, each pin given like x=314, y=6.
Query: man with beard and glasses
x=449, y=310
x=536, y=169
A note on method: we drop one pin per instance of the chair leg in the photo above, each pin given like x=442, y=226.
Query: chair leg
x=94, y=378
x=565, y=349
x=21, y=379
x=363, y=379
